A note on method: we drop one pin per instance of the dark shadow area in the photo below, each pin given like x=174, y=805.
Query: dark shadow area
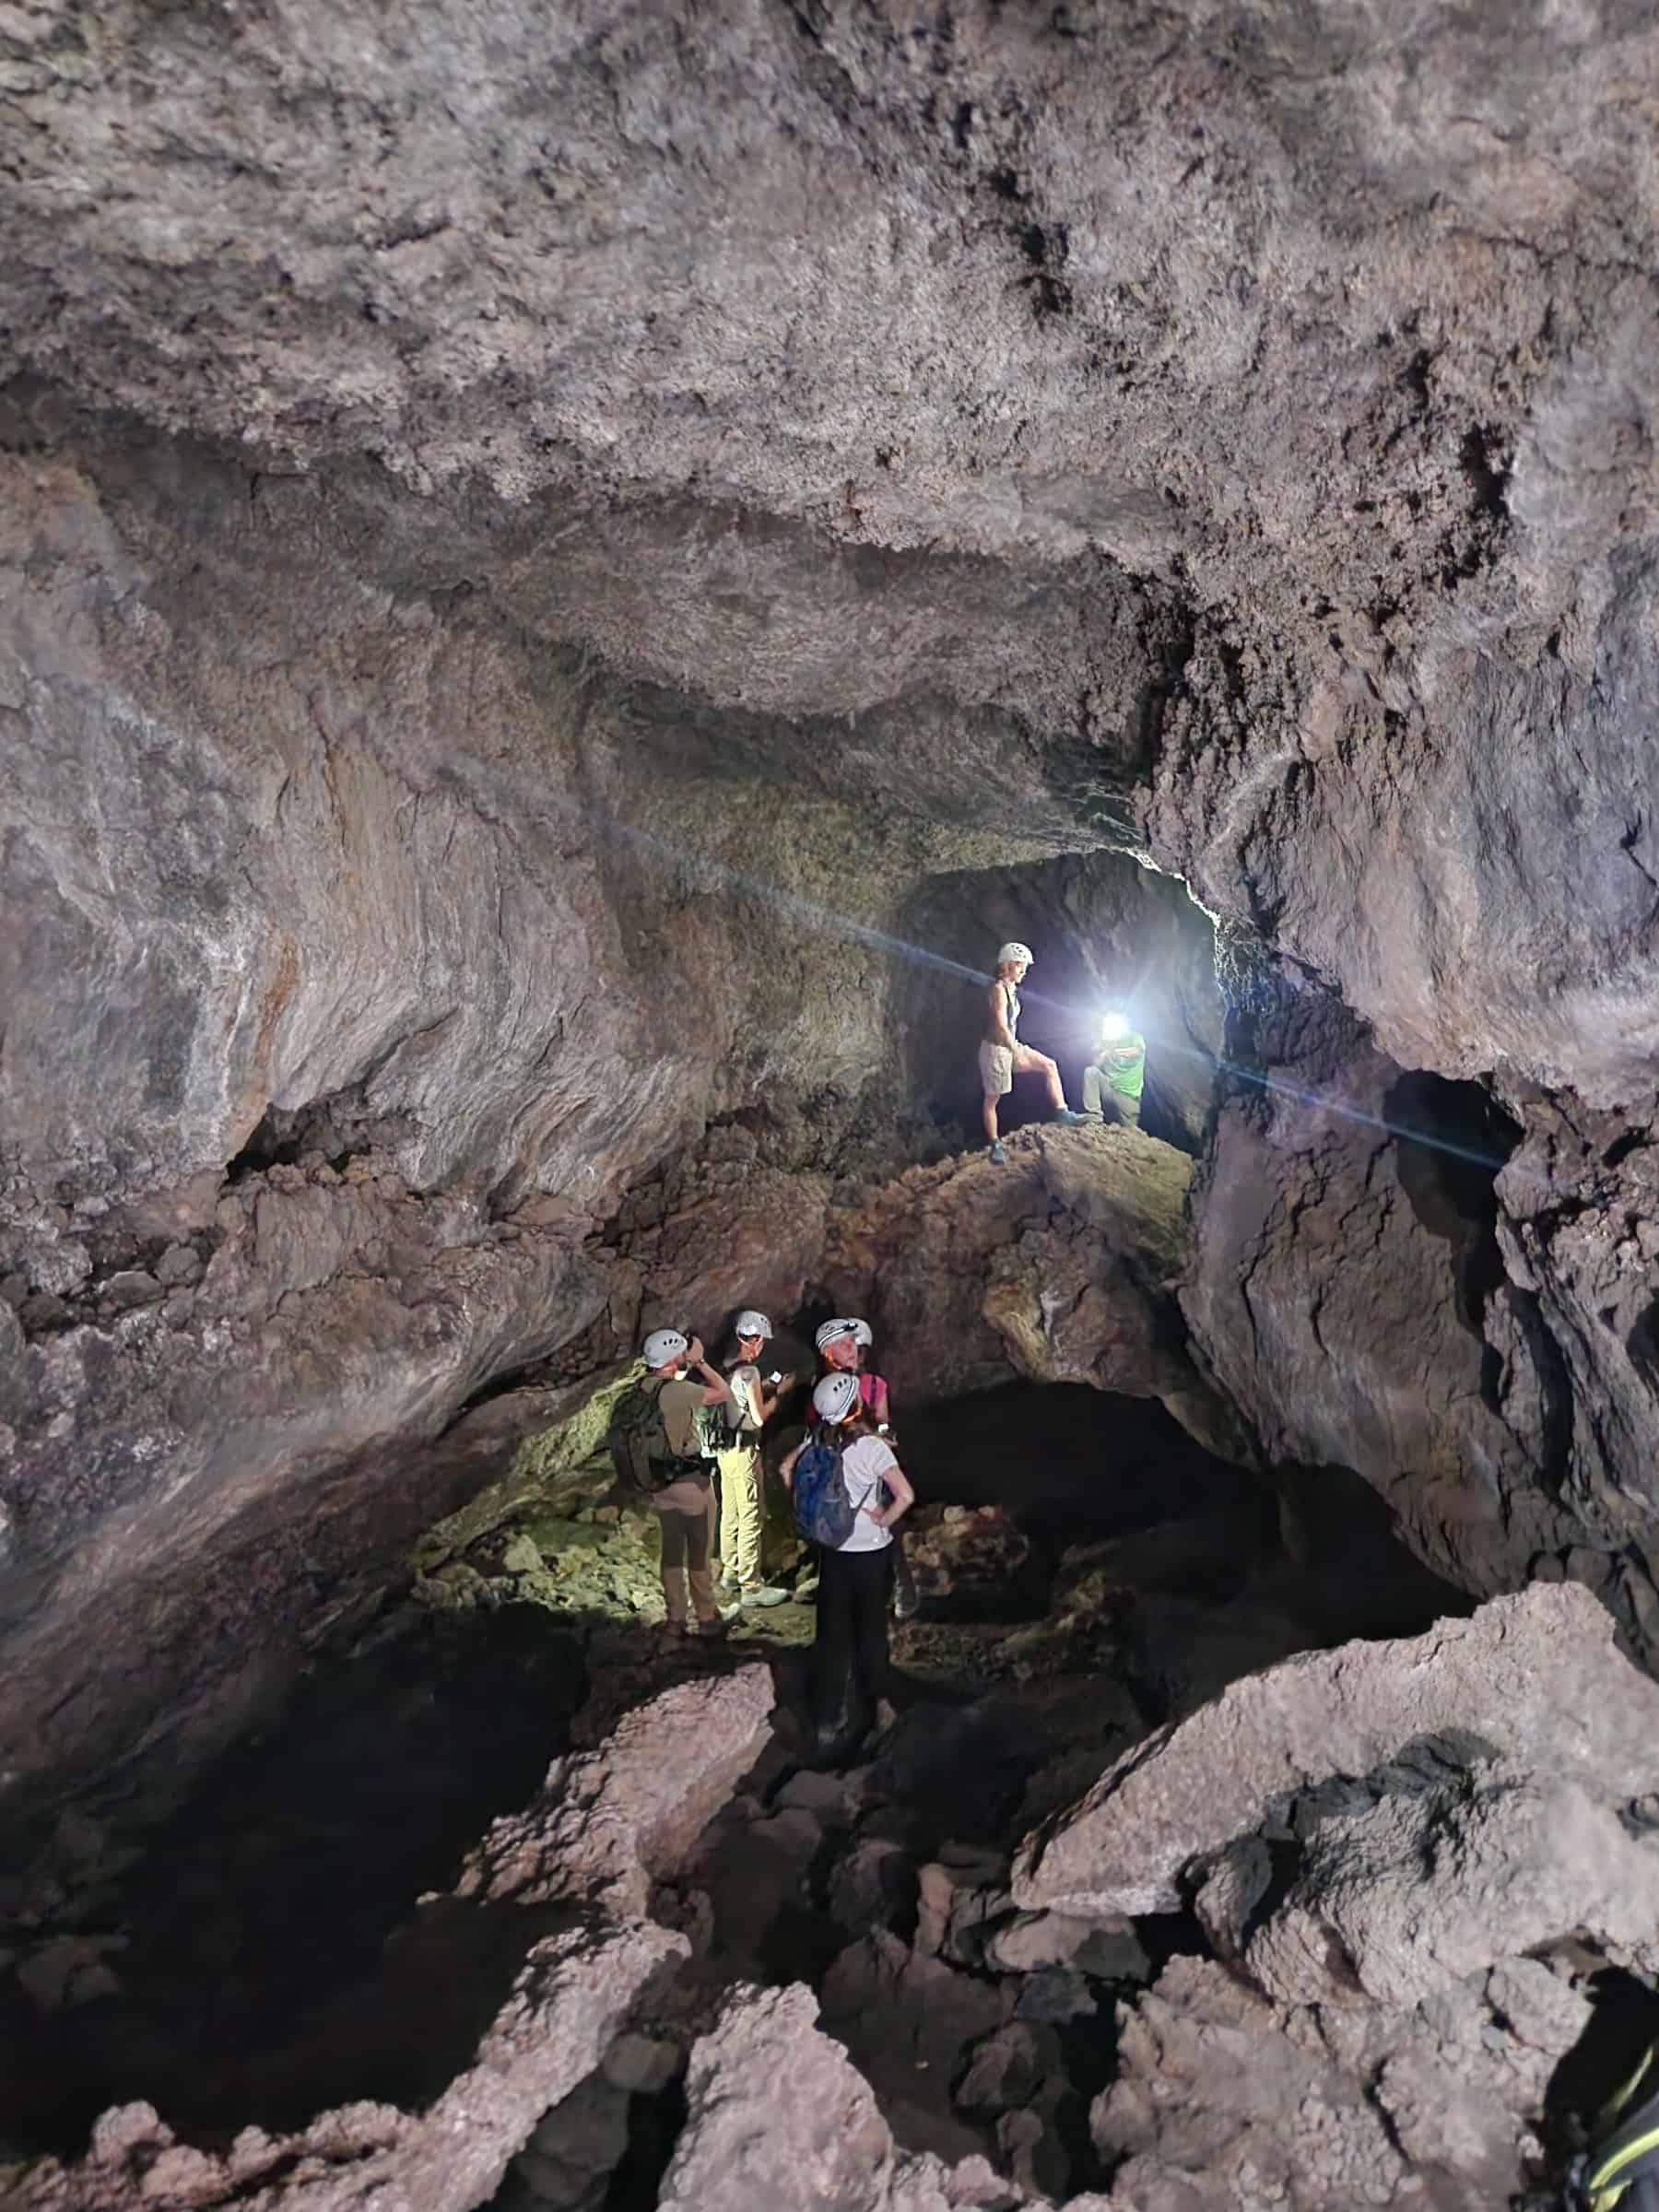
x=1460, y=1140
x=1642, y=1344
x=256, y=1980
x=1347, y=1572
x=1623, y=2027
x=1071, y=1463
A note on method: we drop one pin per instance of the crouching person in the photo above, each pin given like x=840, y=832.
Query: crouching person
x=848, y=1491
x=1114, y=1078
x=656, y=1449
x=742, y=1475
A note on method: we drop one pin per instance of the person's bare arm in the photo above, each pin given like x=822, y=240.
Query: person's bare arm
x=787, y=1464
x=997, y=999
x=772, y=1396
x=902, y=1498
x=717, y=1389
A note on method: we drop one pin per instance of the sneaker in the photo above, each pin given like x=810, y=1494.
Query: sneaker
x=1068, y=1119
x=999, y=1159
x=763, y=1594
x=906, y=1603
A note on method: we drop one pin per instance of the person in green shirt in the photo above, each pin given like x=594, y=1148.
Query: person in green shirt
x=1114, y=1078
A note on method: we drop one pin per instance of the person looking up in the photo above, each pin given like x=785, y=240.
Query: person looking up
x=849, y=1644
x=1113, y=1079
x=742, y=1474
x=1001, y=1054
x=681, y=1503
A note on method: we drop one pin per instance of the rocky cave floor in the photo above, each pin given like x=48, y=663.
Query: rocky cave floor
x=319, y=1924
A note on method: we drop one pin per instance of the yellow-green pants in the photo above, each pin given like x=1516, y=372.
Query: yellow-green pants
x=742, y=1480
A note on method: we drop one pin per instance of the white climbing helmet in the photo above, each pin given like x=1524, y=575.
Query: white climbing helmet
x=835, y=1397
x=662, y=1347
x=750, y=1323
x=833, y=1331
x=1015, y=952
x=1114, y=1027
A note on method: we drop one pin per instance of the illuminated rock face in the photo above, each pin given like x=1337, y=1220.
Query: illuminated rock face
x=482, y=493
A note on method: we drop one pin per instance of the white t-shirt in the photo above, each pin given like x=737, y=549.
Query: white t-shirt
x=744, y=1379
x=864, y=1462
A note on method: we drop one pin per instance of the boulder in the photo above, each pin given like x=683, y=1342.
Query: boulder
x=608, y=1821
x=1224, y=2099
x=1532, y=1684
x=777, y=2116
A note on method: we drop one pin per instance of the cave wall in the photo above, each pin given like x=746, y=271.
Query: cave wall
x=1382, y=1281
x=368, y=963
x=459, y=460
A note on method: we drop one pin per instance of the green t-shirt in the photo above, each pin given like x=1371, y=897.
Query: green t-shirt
x=1124, y=1066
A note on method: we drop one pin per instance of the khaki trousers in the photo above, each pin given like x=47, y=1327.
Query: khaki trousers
x=684, y=1516
x=742, y=1487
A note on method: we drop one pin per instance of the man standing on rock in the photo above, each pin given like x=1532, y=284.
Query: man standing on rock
x=1113, y=1079
x=742, y=1475
x=1001, y=1054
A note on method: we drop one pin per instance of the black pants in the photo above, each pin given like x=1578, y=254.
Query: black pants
x=852, y=1638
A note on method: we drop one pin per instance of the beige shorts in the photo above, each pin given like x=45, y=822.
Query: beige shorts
x=996, y=1069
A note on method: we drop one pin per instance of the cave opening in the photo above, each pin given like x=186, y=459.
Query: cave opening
x=1109, y=932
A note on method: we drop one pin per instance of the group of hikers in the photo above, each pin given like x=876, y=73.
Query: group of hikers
x=688, y=1436
x=1112, y=1078
x=685, y=1419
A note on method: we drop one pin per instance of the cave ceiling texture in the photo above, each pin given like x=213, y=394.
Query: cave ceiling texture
x=514, y=517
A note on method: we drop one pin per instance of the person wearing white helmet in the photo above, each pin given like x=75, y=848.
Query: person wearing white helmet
x=742, y=1474
x=841, y=1345
x=1001, y=1054
x=850, y=1645
x=683, y=1505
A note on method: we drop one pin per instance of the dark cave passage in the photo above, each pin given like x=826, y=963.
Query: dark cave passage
x=253, y=1979
x=261, y=1956
x=1454, y=1139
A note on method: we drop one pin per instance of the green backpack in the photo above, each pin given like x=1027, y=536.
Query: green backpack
x=638, y=1441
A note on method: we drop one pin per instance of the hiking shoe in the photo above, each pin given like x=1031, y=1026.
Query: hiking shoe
x=999, y=1159
x=717, y=1627
x=763, y=1594
x=1068, y=1119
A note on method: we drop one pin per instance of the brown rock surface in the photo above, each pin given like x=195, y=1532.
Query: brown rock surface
x=1533, y=1682
x=779, y=2117
x=539, y=548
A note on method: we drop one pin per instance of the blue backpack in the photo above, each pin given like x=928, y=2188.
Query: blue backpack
x=823, y=1511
